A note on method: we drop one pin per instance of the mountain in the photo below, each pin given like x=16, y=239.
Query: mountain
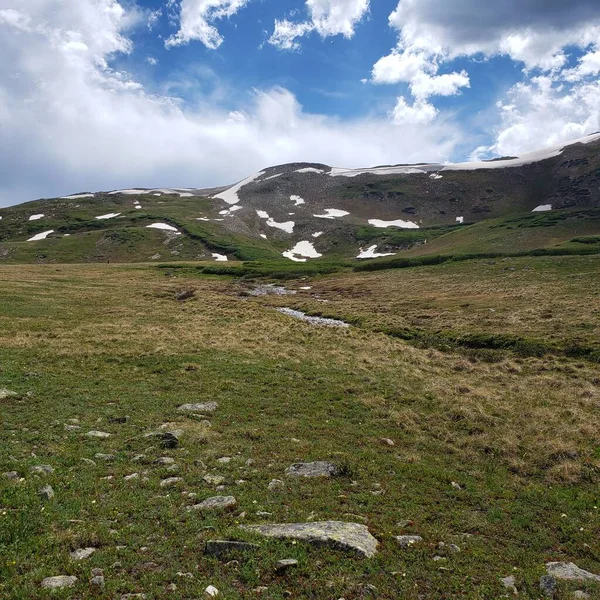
x=306, y=212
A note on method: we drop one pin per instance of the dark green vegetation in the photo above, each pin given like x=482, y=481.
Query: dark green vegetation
x=516, y=429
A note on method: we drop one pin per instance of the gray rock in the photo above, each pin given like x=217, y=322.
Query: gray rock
x=88, y=461
x=286, y=563
x=581, y=595
x=211, y=591
x=42, y=470
x=224, y=460
x=569, y=572
x=47, y=493
x=548, y=586
x=275, y=484
x=101, y=435
x=345, y=536
x=132, y=477
x=214, y=479
x=510, y=584
x=101, y=456
x=167, y=439
x=60, y=581
x=205, y=407
x=170, y=481
x=164, y=460
x=313, y=469
x=97, y=580
x=221, y=548
x=72, y=427
x=82, y=553
x=407, y=541
x=97, y=572
x=4, y=393
x=216, y=503
x=10, y=475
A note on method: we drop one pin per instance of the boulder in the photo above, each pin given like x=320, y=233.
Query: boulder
x=199, y=408
x=407, y=541
x=216, y=503
x=569, y=572
x=58, y=582
x=312, y=469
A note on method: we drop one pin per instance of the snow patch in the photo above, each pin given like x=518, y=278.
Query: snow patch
x=40, y=236
x=318, y=234
x=132, y=192
x=296, y=314
x=231, y=195
x=310, y=170
x=273, y=176
x=399, y=223
x=219, y=257
x=163, y=226
x=297, y=200
x=262, y=235
x=303, y=249
x=76, y=196
x=36, y=217
x=202, y=219
x=542, y=208
x=370, y=252
x=332, y=213
x=436, y=176
x=460, y=220
x=109, y=216
x=288, y=226
x=262, y=214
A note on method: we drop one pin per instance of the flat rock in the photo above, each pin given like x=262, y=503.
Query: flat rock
x=286, y=563
x=569, y=572
x=221, y=548
x=312, y=469
x=345, y=536
x=510, y=584
x=101, y=435
x=199, y=408
x=47, y=493
x=42, y=470
x=170, y=481
x=407, y=541
x=82, y=553
x=60, y=581
x=101, y=456
x=216, y=503
x=214, y=479
x=164, y=460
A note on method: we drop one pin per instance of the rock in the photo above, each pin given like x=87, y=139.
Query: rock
x=345, y=536
x=286, y=563
x=509, y=584
x=88, y=461
x=224, y=548
x=388, y=442
x=47, y=493
x=569, y=572
x=119, y=420
x=224, y=460
x=167, y=439
x=172, y=468
x=214, y=479
x=58, y=582
x=455, y=485
x=548, y=586
x=263, y=514
x=97, y=580
x=250, y=462
x=101, y=435
x=313, y=469
x=10, y=475
x=275, y=484
x=206, y=407
x=82, y=553
x=407, y=541
x=581, y=594
x=164, y=460
x=170, y=481
x=211, y=591
x=42, y=470
x=72, y=427
x=97, y=572
x=101, y=456
x=4, y=393
x=218, y=503
x=131, y=477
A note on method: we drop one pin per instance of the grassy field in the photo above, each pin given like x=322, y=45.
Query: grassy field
x=495, y=451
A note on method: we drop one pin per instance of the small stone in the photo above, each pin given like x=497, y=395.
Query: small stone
x=211, y=591
x=170, y=482
x=261, y=589
x=132, y=476
x=185, y=575
x=263, y=514
x=82, y=553
x=167, y=439
x=97, y=580
x=388, y=442
x=101, y=435
x=47, y=493
x=88, y=461
x=97, y=572
x=548, y=586
x=510, y=584
x=240, y=482
x=171, y=587
x=223, y=548
x=250, y=462
x=407, y=541
x=58, y=582
x=224, y=460
x=313, y=469
x=200, y=408
x=214, y=479
x=101, y=456
x=455, y=485
x=569, y=572
x=42, y=470
x=438, y=558
x=10, y=475
x=172, y=468
x=216, y=503
x=581, y=595
x=275, y=484
x=4, y=393
x=286, y=563
x=72, y=427
x=164, y=460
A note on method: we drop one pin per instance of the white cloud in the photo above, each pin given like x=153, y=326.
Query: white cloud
x=449, y=84
x=197, y=18
x=420, y=113
x=327, y=18
x=70, y=122
x=401, y=66
x=589, y=66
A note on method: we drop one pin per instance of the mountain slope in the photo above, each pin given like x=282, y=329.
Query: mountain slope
x=305, y=212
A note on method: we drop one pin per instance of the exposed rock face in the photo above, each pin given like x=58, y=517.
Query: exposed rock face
x=199, y=408
x=312, y=469
x=60, y=581
x=345, y=536
x=569, y=572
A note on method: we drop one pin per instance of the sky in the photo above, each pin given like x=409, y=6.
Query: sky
x=109, y=94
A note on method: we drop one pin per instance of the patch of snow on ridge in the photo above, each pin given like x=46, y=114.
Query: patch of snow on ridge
x=162, y=226
x=436, y=176
x=399, y=223
x=460, y=220
x=542, y=208
x=332, y=213
x=273, y=176
x=310, y=170
x=403, y=170
x=297, y=200
x=371, y=253
x=231, y=195
x=305, y=249
x=40, y=236
x=262, y=235
x=288, y=226
x=76, y=196
x=262, y=214
x=219, y=257
x=36, y=217
x=131, y=192
x=109, y=216
x=318, y=234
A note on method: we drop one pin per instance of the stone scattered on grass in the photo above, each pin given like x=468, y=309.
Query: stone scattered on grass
x=224, y=460
x=11, y=475
x=214, y=479
x=569, y=572
x=98, y=581
x=47, y=493
x=167, y=439
x=345, y=536
x=275, y=484
x=220, y=548
x=101, y=456
x=211, y=591
x=170, y=482
x=216, y=503
x=286, y=563
x=312, y=469
x=200, y=408
x=407, y=541
x=581, y=595
x=510, y=584
x=164, y=460
x=4, y=393
x=101, y=435
x=388, y=442
x=58, y=582
x=548, y=586
x=82, y=553
x=42, y=470
x=132, y=476
x=72, y=427
x=88, y=461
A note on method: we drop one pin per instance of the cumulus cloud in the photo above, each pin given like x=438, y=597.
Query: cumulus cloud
x=327, y=18
x=197, y=18
x=419, y=113
x=69, y=122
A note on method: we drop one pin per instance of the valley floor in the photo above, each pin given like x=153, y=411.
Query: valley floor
x=479, y=432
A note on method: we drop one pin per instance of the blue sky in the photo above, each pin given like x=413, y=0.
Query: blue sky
x=103, y=94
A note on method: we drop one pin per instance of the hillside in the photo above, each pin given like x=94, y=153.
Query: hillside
x=306, y=212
